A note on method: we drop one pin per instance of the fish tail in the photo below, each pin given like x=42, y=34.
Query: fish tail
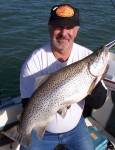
x=14, y=134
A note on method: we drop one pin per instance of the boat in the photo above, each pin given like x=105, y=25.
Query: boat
x=11, y=108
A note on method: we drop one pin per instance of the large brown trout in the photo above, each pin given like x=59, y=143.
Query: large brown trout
x=62, y=88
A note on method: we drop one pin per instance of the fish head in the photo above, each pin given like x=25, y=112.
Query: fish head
x=98, y=61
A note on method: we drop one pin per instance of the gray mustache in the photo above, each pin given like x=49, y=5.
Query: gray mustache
x=60, y=37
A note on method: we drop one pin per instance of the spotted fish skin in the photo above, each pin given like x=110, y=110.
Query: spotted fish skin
x=62, y=88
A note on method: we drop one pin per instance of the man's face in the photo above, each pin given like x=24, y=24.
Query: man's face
x=62, y=37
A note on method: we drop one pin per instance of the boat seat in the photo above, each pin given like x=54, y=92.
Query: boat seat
x=102, y=119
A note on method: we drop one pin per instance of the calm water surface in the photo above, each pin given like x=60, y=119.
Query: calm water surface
x=23, y=27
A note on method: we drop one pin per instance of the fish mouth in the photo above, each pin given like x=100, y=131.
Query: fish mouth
x=106, y=51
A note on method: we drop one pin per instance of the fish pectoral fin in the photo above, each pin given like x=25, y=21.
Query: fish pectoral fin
x=62, y=112
x=40, y=131
x=94, y=83
x=91, y=87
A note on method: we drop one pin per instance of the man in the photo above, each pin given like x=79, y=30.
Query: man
x=61, y=51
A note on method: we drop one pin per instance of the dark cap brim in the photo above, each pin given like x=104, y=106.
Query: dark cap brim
x=64, y=22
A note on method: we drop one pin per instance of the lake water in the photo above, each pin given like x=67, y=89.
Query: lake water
x=23, y=27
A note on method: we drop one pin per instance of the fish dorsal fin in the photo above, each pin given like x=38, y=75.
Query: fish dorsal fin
x=40, y=80
x=40, y=130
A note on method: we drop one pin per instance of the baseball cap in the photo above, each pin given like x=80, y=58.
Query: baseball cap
x=64, y=14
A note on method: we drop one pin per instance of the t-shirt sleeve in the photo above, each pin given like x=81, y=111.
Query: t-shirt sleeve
x=26, y=82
